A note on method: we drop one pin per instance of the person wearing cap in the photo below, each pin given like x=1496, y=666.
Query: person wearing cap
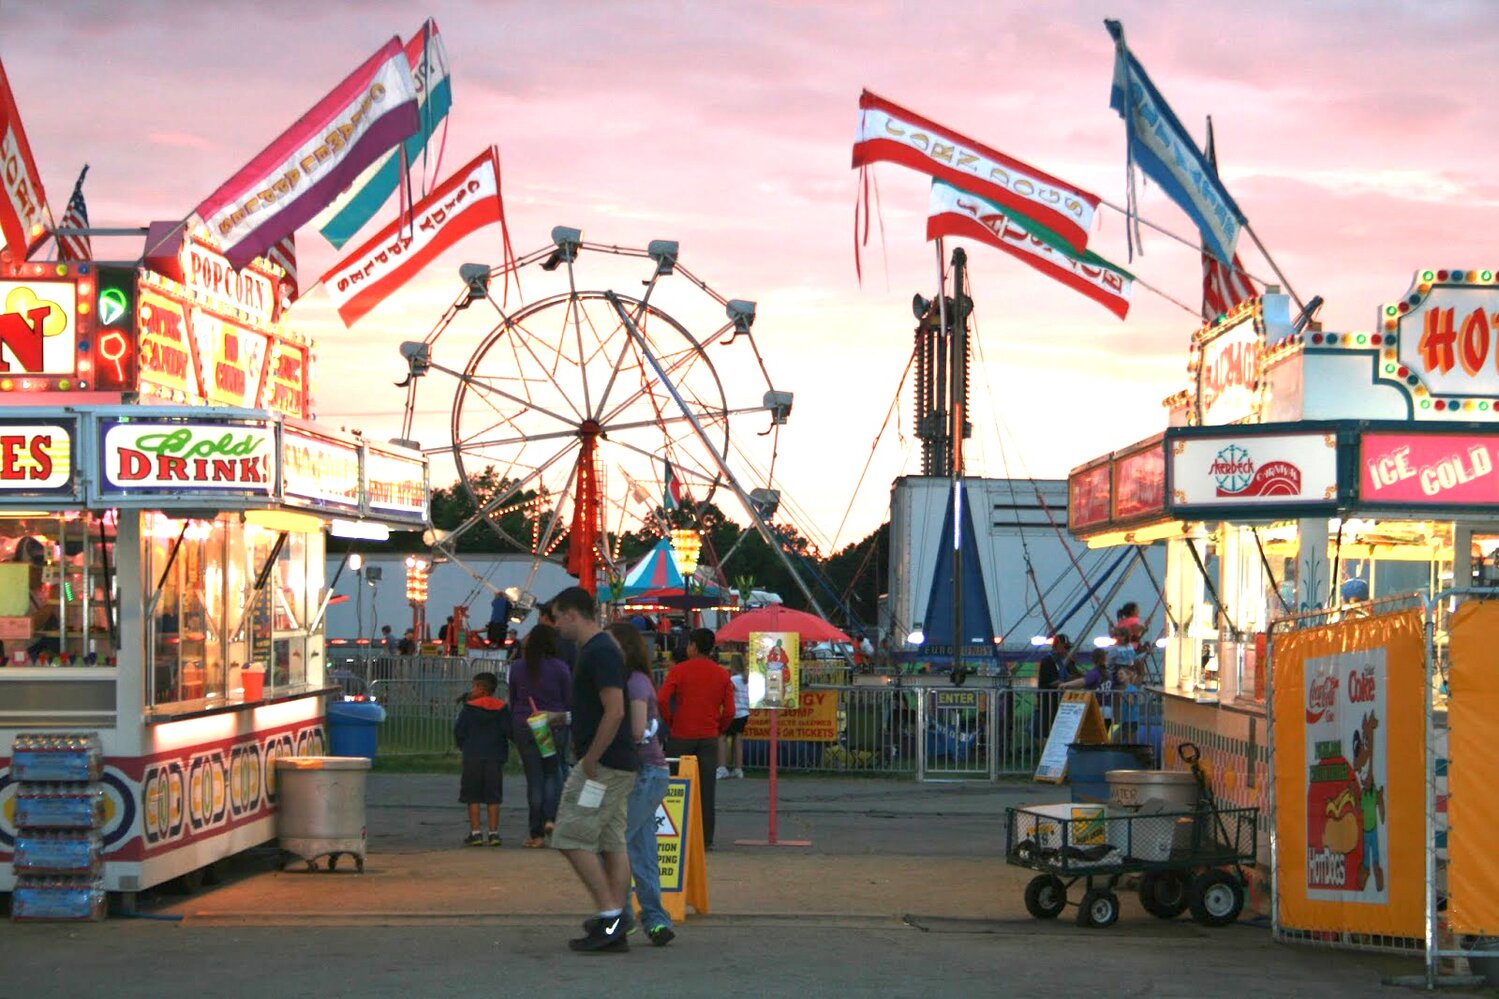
x=1053, y=669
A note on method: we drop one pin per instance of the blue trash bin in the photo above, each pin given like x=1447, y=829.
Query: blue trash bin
x=352, y=728
x=1088, y=767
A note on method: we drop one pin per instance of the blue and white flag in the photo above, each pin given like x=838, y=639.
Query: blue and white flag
x=364, y=198
x=1160, y=146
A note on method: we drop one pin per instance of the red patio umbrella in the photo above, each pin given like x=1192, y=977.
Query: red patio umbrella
x=810, y=627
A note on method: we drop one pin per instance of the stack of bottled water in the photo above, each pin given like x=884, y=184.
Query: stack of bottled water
x=59, y=814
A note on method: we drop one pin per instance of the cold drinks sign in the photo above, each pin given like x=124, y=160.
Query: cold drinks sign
x=151, y=458
x=1429, y=469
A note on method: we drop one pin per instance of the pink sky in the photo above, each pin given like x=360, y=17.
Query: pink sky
x=1360, y=139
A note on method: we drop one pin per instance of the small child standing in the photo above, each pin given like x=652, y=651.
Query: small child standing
x=734, y=735
x=482, y=732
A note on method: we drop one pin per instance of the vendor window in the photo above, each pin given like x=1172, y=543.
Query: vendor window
x=184, y=568
x=58, y=599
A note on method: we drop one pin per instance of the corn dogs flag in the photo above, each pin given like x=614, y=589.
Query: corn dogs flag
x=25, y=219
x=890, y=133
x=466, y=201
x=958, y=213
x=298, y=174
x=353, y=210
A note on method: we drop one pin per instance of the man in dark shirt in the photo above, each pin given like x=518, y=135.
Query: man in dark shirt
x=593, y=815
x=697, y=703
x=567, y=649
x=1049, y=674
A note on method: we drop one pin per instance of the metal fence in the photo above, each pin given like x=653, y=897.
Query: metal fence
x=929, y=733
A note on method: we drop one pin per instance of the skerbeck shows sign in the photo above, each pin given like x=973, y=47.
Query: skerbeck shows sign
x=238, y=457
x=1428, y=469
x=322, y=471
x=1259, y=470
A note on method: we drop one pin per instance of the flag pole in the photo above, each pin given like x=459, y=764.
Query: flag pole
x=1274, y=266
x=1183, y=240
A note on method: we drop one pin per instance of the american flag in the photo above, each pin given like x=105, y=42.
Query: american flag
x=284, y=255
x=1222, y=287
x=76, y=217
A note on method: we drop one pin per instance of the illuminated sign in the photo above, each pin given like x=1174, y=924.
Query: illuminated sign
x=1226, y=367
x=1429, y=469
x=1088, y=497
x=190, y=352
x=168, y=365
x=206, y=272
x=35, y=457
x=239, y=457
x=1254, y=470
x=38, y=334
x=319, y=470
x=233, y=357
x=1140, y=483
x=396, y=485
x=1442, y=338
x=286, y=380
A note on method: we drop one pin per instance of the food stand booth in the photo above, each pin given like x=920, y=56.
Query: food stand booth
x=1304, y=470
x=164, y=500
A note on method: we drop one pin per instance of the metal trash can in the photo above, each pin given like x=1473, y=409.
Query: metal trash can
x=1132, y=788
x=321, y=809
x=353, y=728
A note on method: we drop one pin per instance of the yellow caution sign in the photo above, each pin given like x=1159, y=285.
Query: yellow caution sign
x=679, y=844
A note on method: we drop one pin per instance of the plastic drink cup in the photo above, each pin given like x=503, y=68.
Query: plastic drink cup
x=541, y=731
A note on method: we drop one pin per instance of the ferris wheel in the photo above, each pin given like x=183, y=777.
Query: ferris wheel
x=589, y=409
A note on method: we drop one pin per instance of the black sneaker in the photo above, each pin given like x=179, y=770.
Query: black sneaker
x=603, y=936
x=630, y=925
x=474, y=839
x=661, y=935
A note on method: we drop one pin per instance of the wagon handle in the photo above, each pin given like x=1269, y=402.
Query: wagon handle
x=1188, y=752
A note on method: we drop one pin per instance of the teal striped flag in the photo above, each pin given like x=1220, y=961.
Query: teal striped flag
x=364, y=198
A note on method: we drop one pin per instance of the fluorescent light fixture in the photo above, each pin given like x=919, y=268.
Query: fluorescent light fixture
x=359, y=530
x=284, y=520
x=916, y=637
x=1039, y=640
x=1103, y=642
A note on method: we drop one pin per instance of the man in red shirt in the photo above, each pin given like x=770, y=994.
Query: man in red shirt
x=697, y=704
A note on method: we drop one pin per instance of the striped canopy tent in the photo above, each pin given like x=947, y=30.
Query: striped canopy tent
x=657, y=571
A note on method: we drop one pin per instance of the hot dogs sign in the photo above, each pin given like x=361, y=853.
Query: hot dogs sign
x=1347, y=841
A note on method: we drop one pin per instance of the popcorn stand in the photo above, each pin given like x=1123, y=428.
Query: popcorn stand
x=1305, y=470
x=164, y=498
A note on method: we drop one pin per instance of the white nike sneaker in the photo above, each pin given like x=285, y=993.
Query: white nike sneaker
x=721, y=773
x=737, y=772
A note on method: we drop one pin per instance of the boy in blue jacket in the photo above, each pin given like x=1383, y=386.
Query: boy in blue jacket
x=482, y=732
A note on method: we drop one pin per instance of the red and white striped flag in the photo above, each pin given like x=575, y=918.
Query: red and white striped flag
x=284, y=255
x=1222, y=287
x=75, y=217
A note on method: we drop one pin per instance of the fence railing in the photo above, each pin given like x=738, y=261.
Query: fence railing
x=935, y=733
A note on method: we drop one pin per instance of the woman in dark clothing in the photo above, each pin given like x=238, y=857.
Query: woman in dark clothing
x=541, y=682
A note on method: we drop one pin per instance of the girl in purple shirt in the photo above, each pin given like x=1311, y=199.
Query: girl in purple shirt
x=541, y=681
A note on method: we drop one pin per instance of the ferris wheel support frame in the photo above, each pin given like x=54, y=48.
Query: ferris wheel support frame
x=723, y=465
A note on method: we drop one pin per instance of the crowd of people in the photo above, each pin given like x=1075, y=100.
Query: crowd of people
x=1112, y=673
x=594, y=736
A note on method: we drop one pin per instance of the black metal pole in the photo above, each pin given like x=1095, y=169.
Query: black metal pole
x=958, y=340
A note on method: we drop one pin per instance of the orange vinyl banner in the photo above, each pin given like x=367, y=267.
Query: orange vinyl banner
x=1473, y=742
x=1349, y=815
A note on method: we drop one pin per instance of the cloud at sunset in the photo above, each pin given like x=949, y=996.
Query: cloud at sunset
x=1359, y=139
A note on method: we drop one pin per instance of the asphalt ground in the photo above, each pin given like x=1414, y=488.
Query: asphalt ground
x=904, y=891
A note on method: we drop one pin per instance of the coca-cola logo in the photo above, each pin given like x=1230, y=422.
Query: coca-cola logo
x=1321, y=699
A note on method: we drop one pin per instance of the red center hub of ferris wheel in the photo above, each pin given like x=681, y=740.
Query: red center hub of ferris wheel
x=582, y=543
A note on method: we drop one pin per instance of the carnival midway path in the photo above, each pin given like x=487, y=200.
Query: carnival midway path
x=904, y=893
